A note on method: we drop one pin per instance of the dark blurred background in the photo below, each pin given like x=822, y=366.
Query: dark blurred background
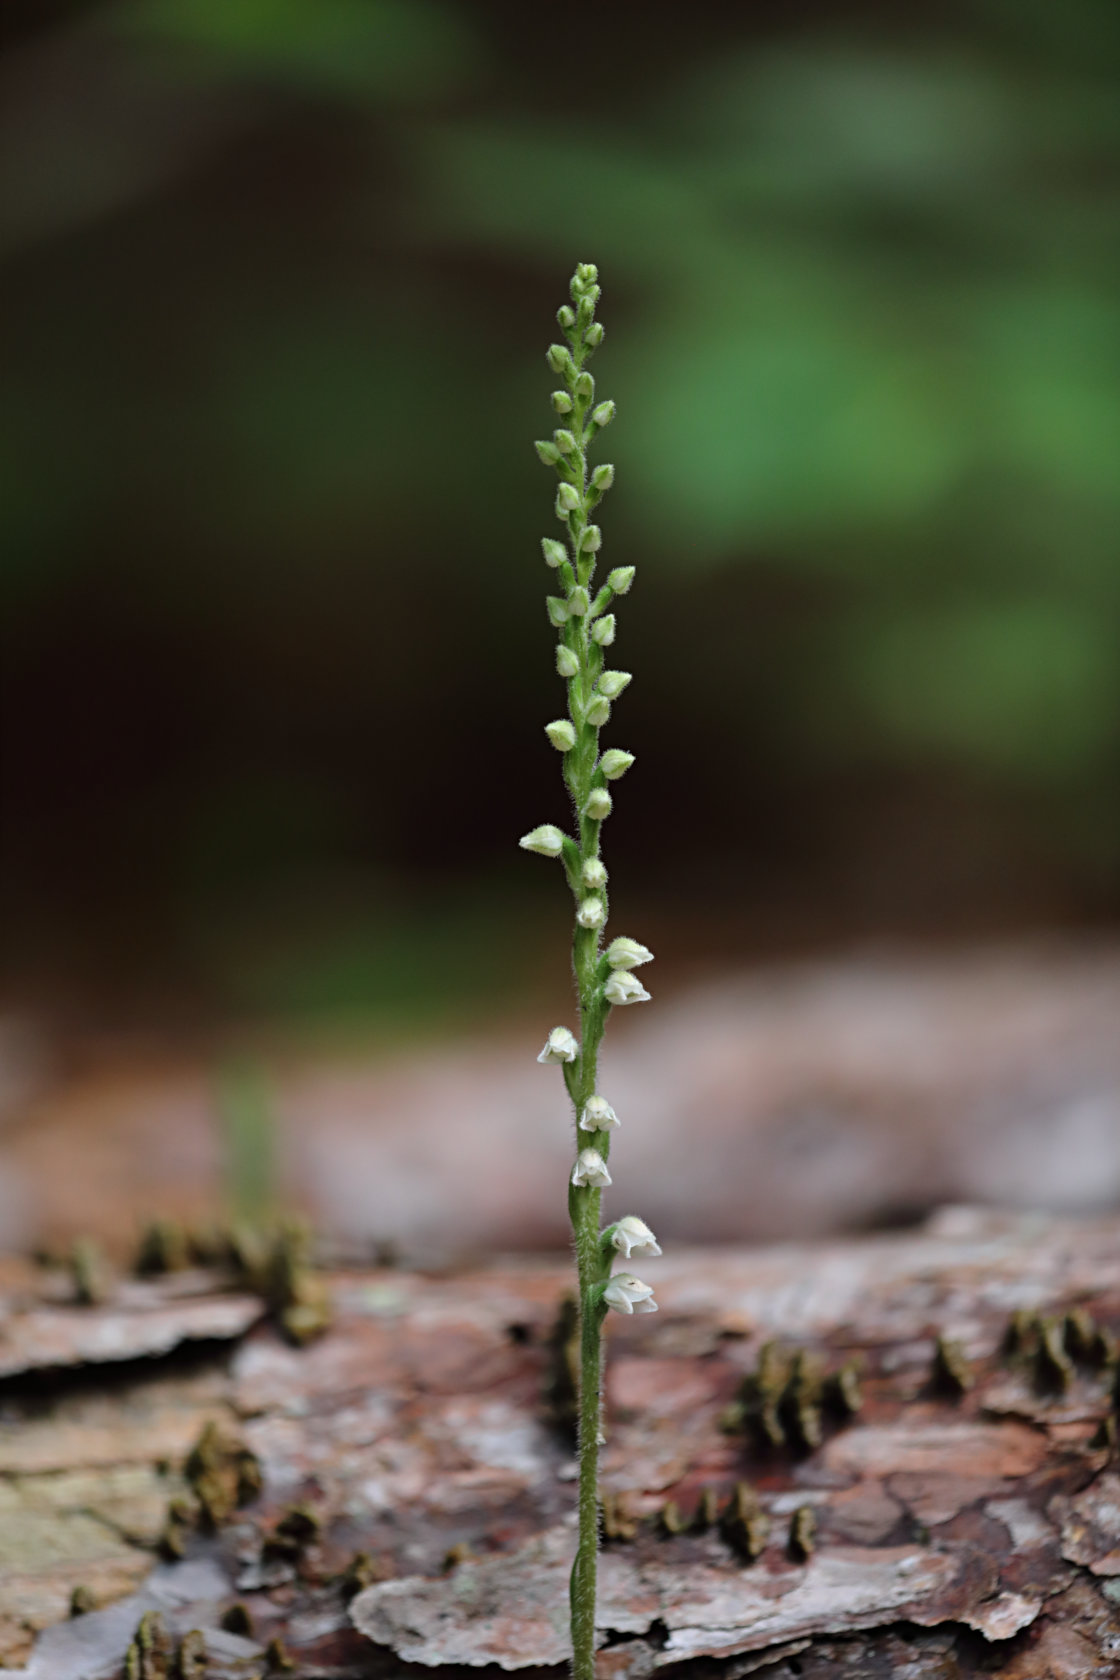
x=277, y=278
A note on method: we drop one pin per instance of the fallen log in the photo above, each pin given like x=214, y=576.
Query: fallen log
x=890, y=1455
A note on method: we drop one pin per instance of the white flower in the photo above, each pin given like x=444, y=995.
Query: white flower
x=598, y=1115
x=598, y=711
x=591, y=1169
x=598, y=805
x=612, y=683
x=627, y=953
x=603, y=633
x=567, y=662
x=560, y=1046
x=623, y=987
x=554, y=552
x=594, y=873
x=592, y=913
x=627, y=1294
x=546, y=840
x=634, y=1239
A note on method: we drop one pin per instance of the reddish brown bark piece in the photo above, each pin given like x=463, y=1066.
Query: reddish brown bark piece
x=952, y=1536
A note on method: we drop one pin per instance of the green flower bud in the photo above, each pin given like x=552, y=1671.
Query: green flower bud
x=562, y=735
x=559, y=359
x=590, y=539
x=548, y=452
x=561, y=402
x=578, y=602
x=594, y=334
x=566, y=316
x=615, y=762
x=557, y=611
x=554, y=552
x=602, y=631
x=598, y=710
x=585, y=275
x=594, y=871
x=546, y=840
x=612, y=683
x=621, y=579
x=604, y=414
x=584, y=387
x=598, y=806
x=567, y=662
x=567, y=500
x=602, y=478
x=564, y=441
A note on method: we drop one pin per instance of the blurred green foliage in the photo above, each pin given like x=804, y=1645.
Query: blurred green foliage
x=864, y=288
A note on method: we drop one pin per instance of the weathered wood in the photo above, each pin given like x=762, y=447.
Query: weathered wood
x=963, y=1519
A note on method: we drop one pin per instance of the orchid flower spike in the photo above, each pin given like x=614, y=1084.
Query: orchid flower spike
x=627, y=1294
x=623, y=987
x=590, y=1170
x=598, y=1116
x=560, y=1046
x=634, y=1240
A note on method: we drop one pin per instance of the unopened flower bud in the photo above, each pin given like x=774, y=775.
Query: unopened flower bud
x=603, y=630
x=594, y=334
x=578, y=601
x=585, y=275
x=592, y=913
x=547, y=840
x=598, y=710
x=548, y=452
x=554, y=552
x=567, y=500
x=561, y=734
x=598, y=1116
x=590, y=1172
x=567, y=662
x=561, y=402
x=564, y=441
x=584, y=387
x=612, y=683
x=557, y=611
x=604, y=413
x=634, y=1240
x=627, y=953
x=594, y=872
x=615, y=762
x=598, y=806
x=559, y=358
x=602, y=478
x=621, y=579
x=590, y=539
x=566, y=316
x=559, y=1046
x=624, y=987
x=627, y=1294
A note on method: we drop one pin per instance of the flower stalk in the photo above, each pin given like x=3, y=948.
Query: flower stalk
x=603, y=976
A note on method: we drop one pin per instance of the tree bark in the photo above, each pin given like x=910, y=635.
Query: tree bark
x=943, y=1510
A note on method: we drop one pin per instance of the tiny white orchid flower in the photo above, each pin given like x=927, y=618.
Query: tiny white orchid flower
x=623, y=987
x=547, y=840
x=627, y=953
x=627, y=1294
x=590, y=1170
x=634, y=1239
x=615, y=762
x=598, y=1116
x=561, y=734
x=592, y=913
x=594, y=873
x=560, y=1046
x=598, y=805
